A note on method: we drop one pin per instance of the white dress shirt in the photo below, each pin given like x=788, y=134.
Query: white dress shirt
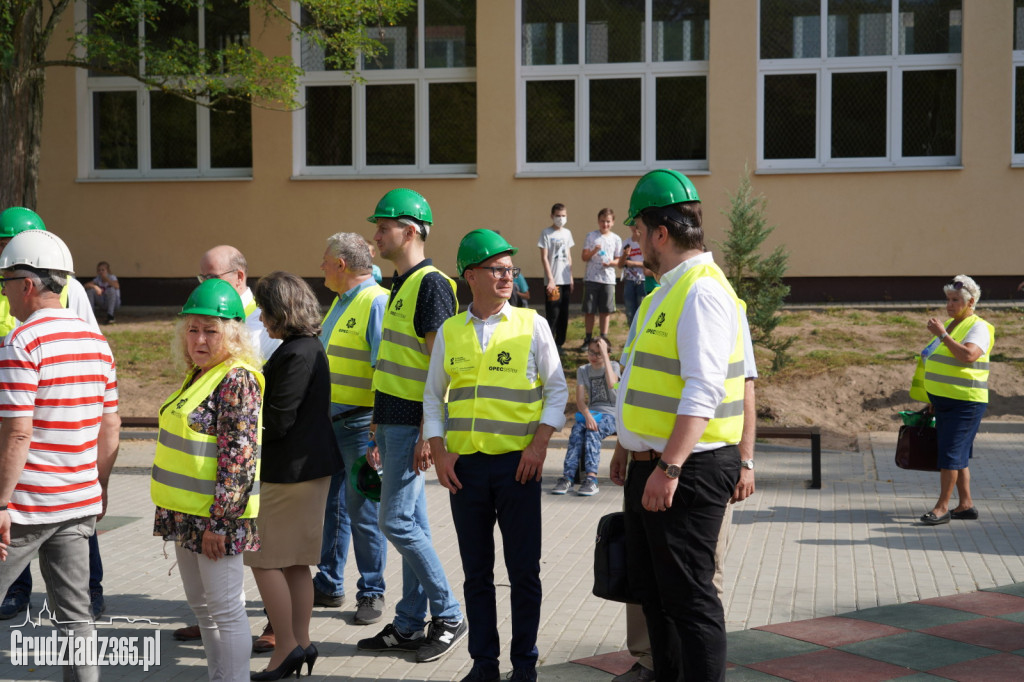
x=705, y=334
x=265, y=345
x=543, y=362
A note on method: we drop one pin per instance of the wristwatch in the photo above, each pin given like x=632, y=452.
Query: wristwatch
x=671, y=470
x=747, y=464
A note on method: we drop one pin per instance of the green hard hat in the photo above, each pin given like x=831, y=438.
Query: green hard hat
x=365, y=479
x=17, y=219
x=478, y=246
x=402, y=202
x=215, y=298
x=659, y=188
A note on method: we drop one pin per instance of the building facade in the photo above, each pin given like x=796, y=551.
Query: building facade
x=887, y=136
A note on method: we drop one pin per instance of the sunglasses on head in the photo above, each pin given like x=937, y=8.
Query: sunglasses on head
x=956, y=284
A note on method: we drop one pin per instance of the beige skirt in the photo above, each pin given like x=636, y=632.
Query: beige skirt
x=290, y=524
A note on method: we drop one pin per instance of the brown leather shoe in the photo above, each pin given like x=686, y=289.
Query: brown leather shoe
x=188, y=634
x=266, y=642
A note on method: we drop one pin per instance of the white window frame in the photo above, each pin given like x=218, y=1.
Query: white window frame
x=1016, y=160
x=894, y=65
x=422, y=78
x=86, y=86
x=581, y=74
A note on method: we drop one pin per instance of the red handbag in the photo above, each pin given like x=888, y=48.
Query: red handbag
x=917, y=448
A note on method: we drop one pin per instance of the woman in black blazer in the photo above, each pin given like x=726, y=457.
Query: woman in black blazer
x=299, y=456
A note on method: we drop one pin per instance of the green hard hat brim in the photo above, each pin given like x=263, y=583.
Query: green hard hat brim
x=659, y=188
x=403, y=203
x=363, y=473
x=214, y=298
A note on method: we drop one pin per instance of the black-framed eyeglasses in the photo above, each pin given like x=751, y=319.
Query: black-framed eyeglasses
x=956, y=284
x=501, y=272
x=203, y=278
x=5, y=280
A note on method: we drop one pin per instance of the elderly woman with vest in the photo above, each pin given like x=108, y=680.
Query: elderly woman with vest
x=952, y=375
x=299, y=457
x=206, y=471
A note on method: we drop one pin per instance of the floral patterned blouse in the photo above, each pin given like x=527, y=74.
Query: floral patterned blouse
x=231, y=413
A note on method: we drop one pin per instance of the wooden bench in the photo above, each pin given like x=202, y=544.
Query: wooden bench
x=811, y=433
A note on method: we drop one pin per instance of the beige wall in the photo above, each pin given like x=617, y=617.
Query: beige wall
x=835, y=224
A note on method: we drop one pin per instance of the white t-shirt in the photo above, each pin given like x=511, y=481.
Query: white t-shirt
x=611, y=244
x=558, y=242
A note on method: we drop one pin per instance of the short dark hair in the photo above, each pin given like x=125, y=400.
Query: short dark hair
x=288, y=304
x=605, y=211
x=683, y=221
x=557, y=207
x=103, y=262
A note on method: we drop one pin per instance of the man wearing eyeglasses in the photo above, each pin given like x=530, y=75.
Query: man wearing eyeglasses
x=227, y=263
x=506, y=392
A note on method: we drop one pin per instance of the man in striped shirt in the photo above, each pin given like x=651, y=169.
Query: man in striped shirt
x=59, y=434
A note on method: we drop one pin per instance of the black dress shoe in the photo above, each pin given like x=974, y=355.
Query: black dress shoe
x=930, y=519
x=965, y=515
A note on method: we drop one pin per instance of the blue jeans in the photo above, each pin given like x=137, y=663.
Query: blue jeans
x=588, y=442
x=349, y=514
x=632, y=294
x=403, y=518
x=23, y=583
x=491, y=493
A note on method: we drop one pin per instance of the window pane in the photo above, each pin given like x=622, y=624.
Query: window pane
x=859, y=28
x=859, y=104
x=453, y=123
x=930, y=26
x=929, y=113
x=1018, y=127
x=615, y=31
x=122, y=24
x=231, y=136
x=789, y=116
x=115, y=130
x=390, y=125
x=227, y=24
x=550, y=121
x=450, y=38
x=680, y=30
x=615, y=119
x=172, y=123
x=312, y=56
x=681, y=119
x=329, y=126
x=174, y=26
x=550, y=32
x=790, y=29
x=399, y=45
x=1018, y=24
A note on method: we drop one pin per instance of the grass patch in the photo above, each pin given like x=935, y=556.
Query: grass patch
x=899, y=320
x=142, y=354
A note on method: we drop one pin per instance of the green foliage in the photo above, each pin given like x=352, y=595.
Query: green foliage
x=756, y=278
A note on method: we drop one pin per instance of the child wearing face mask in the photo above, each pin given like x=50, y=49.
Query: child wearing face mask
x=555, y=245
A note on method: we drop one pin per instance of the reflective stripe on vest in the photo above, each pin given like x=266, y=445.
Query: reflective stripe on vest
x=493, y=407
x=249, y=308
x=943, y=375
x=184, y=471
x=402, y=359
x=655, y=384
x=348, y=351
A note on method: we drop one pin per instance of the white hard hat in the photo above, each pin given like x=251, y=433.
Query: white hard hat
x=37, y=249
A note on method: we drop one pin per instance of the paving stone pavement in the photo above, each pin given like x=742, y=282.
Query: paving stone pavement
x=794, y=554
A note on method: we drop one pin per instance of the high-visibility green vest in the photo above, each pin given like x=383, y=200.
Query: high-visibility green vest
x=655, y=384
x=403, y=358
x=249, y=308
x=7, y=321
x=493, y=407
x=943, y=375
x=185, y=467
x=348, y=351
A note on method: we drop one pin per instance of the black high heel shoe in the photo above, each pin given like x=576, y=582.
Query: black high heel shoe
x=291, y=664
x=311, y=654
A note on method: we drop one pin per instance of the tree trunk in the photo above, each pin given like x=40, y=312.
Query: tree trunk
x=21, y=110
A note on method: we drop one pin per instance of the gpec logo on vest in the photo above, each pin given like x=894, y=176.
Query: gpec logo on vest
x=504, y=357
x=657, y=323
x=351, y=322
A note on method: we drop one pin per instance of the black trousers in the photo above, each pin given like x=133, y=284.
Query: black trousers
x=671, y=564
x=557, y=314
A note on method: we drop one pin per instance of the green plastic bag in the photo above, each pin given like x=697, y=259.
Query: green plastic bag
x=919, y=418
